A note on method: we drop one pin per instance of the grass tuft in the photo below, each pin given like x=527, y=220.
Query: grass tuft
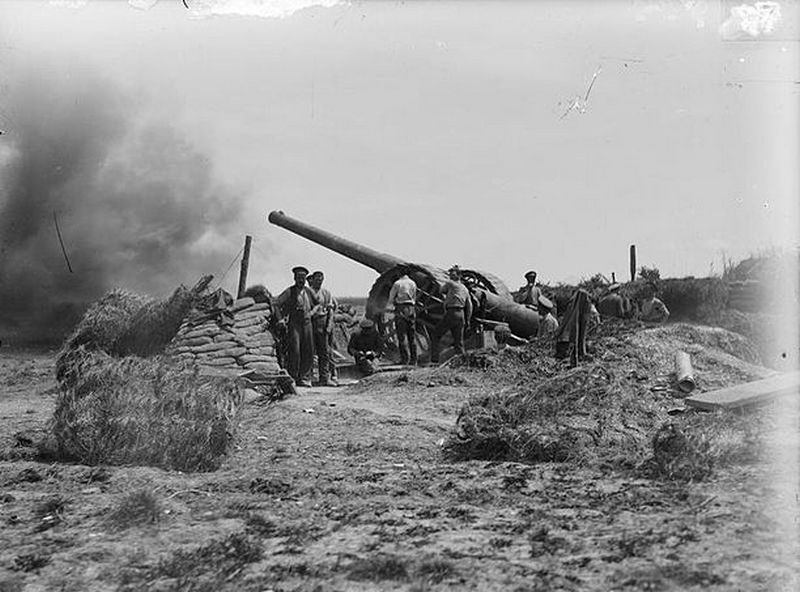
x=136, y=508
x=379, y=568
x=144, y=411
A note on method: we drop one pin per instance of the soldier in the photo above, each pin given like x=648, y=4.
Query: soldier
x=457, y=312
x=294, y=306
x=403, y=296
x=366, y=347
x=548, y=324
x=571, y=336
x=322, y=328
x=529, y=293
x=653, y=309
x=614, y=304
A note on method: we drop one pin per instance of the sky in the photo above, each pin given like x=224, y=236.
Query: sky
x=440, y=132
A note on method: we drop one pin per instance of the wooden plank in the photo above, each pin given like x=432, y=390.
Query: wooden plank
x=749, y=393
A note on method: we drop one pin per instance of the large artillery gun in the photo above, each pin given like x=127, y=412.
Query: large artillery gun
x=492, y=301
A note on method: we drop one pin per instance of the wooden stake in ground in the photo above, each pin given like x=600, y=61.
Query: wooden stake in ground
x=61, y=242
x=633, y=262
x=245, y=264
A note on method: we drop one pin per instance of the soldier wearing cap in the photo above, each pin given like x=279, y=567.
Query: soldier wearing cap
x=529, y=294
x=294, y=306
x=322, y=328
x=366, y=347
x=457, y=312
x=548, y=324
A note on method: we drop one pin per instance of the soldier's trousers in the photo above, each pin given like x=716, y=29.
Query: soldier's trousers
x=452, y=321
x=322, y=347
x=300, y=362
x=405, y=324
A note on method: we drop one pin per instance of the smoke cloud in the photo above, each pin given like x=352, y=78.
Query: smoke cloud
x=137, y=205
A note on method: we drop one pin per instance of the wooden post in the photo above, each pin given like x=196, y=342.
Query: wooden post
x=633, y=262
x=245, y=264
x=613, y=278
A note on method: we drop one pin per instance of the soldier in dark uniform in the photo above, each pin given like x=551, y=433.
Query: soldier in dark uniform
x=294, y=306
x=366, y=347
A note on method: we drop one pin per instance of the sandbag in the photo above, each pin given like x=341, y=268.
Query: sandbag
x=214, y=347
x=225, y=336
x=249, y=322
x=197, y=341
x=268, y=367
x=226, y=361
x=241, y=304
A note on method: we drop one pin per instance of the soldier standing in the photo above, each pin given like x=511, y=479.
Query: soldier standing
x=294, y=305
x=403, y=296
x=529, y=293
x=457, y=312
x=322, y=327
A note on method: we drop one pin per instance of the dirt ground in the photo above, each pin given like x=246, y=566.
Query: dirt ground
x=348, y=489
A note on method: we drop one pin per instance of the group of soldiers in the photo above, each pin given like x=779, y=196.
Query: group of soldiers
x=306, y=315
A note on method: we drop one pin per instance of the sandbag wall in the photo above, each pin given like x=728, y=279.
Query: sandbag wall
x=245, y=344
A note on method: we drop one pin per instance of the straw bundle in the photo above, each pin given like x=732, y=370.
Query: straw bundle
x=101, y=326
x=608, y=408
x=568, y=416
x=154, y=325
x=143, y=411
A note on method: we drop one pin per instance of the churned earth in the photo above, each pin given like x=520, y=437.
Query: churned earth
x=349, y=489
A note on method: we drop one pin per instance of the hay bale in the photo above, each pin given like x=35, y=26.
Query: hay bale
x=154, y=325
x=143, y=411
x=102, y=324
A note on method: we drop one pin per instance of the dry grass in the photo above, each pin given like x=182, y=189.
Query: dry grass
x=119, y=403
x=143, y=411
x=693, y=448
x=377, y=568
x=136, y=508
x=156, y=323
x=207, y=567
x=610, y=410
x=101, y=326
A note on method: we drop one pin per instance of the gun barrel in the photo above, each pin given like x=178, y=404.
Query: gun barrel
x=376, y=260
